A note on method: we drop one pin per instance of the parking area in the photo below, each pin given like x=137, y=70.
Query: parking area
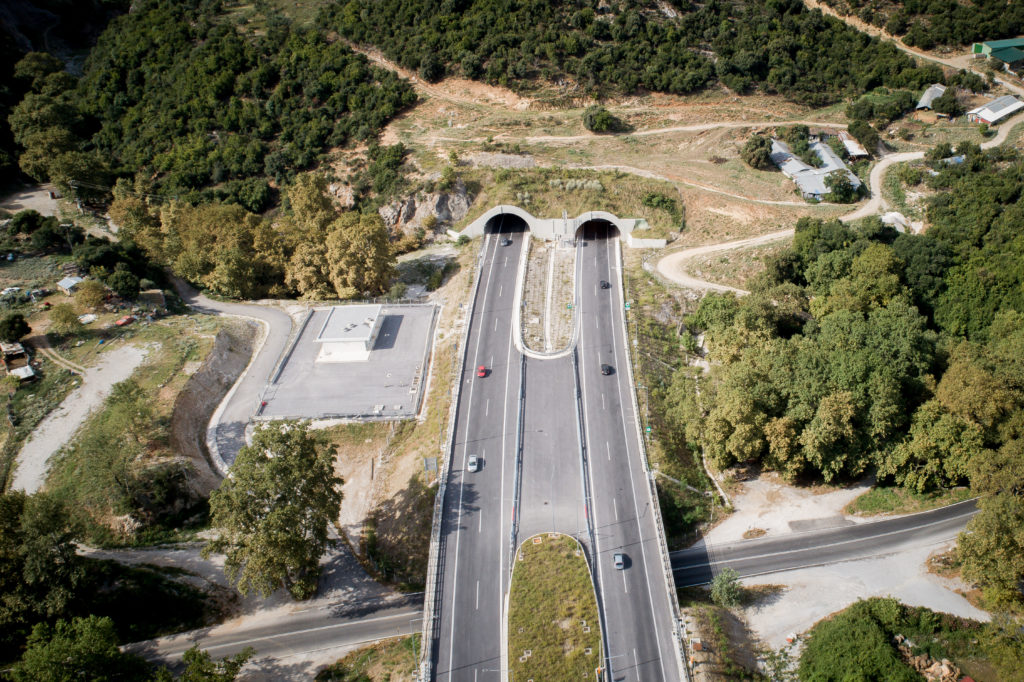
x=387, y=384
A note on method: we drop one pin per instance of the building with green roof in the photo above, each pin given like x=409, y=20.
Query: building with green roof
x=1010, y=51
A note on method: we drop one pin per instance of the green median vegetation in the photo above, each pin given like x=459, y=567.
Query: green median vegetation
x=553, y=628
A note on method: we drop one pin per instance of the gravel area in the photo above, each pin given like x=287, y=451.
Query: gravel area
x=810, y=594
x=60, y=425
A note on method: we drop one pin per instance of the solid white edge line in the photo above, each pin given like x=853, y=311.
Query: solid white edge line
x=462, y=474
x=636, y=506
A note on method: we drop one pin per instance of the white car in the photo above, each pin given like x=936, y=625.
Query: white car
x=620, y=560
x=473, y=464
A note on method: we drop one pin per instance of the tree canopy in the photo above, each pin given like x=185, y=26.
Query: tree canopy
x=632, y=46
x=274, y=511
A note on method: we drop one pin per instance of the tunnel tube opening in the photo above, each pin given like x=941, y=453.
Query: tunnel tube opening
x=505, y=223
x=597, y=229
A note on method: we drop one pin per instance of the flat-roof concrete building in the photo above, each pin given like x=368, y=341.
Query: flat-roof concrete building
x=349, y=333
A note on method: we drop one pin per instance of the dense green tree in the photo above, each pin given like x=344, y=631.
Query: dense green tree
x=757, y=152
x=726, y=589
x=359, y=258
x=84, y=649
x=855, y=644
x=273, y=512
x=760, y=45
x=840, y=189
x=991, y=550
x=64, y=319
x=200, y=667
x=597, y=119
x=39, y=568
x=12, y=327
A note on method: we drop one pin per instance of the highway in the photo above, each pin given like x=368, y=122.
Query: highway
x=639, y=610
x=475, y=526
x=348, y=624
x=696, y=565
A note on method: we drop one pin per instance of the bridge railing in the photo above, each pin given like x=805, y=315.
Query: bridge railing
x=435, y=574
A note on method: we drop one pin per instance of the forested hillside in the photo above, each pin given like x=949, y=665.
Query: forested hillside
x=867, y=350
x=624, y=46
x=925, y=24
x=192, y=106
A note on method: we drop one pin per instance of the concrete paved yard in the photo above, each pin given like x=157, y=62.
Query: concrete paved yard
x=388, y=384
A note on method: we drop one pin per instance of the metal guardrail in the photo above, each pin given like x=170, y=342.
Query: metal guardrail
x=434, y=573
x=517, y=471
x=587, y=512
x=652, y=487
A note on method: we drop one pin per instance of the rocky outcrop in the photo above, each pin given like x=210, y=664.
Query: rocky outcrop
x=412, y=212
x=204, y=390
x=928, y=667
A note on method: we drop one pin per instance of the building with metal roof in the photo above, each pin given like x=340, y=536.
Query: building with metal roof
x=996, y=110
x=930, y=95
x=1009, y=51
x=810, y=180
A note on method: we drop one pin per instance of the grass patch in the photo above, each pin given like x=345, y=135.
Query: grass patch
x=546, y=192
x=653, y=325
x=895, y=500
x=136, y=492
x=394, y=660
x=551, y=604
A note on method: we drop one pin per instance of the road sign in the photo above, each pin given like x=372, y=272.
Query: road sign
x=568, y=306
x=627, y=306
x=648, y=429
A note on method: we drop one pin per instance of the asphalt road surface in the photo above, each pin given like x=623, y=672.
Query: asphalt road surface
x=228, y=424
x=638, y=609
x=698, y=564
x=476, y=522
x=349, y=624
x=302, y=631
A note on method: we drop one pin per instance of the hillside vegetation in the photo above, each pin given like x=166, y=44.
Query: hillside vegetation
x=192, y=107
x=862, y=349
x=626, y=46
x=927, y=24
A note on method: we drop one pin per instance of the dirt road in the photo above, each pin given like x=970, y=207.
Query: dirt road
x=60, y=425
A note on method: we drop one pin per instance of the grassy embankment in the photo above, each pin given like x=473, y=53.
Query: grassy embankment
x=393, y=660
x=894, y=500
x=553, y=628
x=142, y=477
x=653, y=320
x=396, y=533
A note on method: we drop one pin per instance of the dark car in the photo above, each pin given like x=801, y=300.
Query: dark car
x=605, y=284
x=607, y=369
x=505, y=241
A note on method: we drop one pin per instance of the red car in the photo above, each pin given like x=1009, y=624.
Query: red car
x=481, y=371
x=127, y=319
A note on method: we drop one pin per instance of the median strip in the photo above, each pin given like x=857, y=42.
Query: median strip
x=553, y=629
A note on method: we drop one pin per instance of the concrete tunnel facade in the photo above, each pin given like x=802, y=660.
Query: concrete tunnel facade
x=559, y=228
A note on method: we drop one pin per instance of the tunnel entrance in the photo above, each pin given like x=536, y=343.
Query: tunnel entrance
x=505, y=223
x=597, y=229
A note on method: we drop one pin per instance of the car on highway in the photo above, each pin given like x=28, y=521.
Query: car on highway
x=473, y=464
x=481, y=371
x=620, y=560
x=505, y=241
x=607, y=369
x=605, y=284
